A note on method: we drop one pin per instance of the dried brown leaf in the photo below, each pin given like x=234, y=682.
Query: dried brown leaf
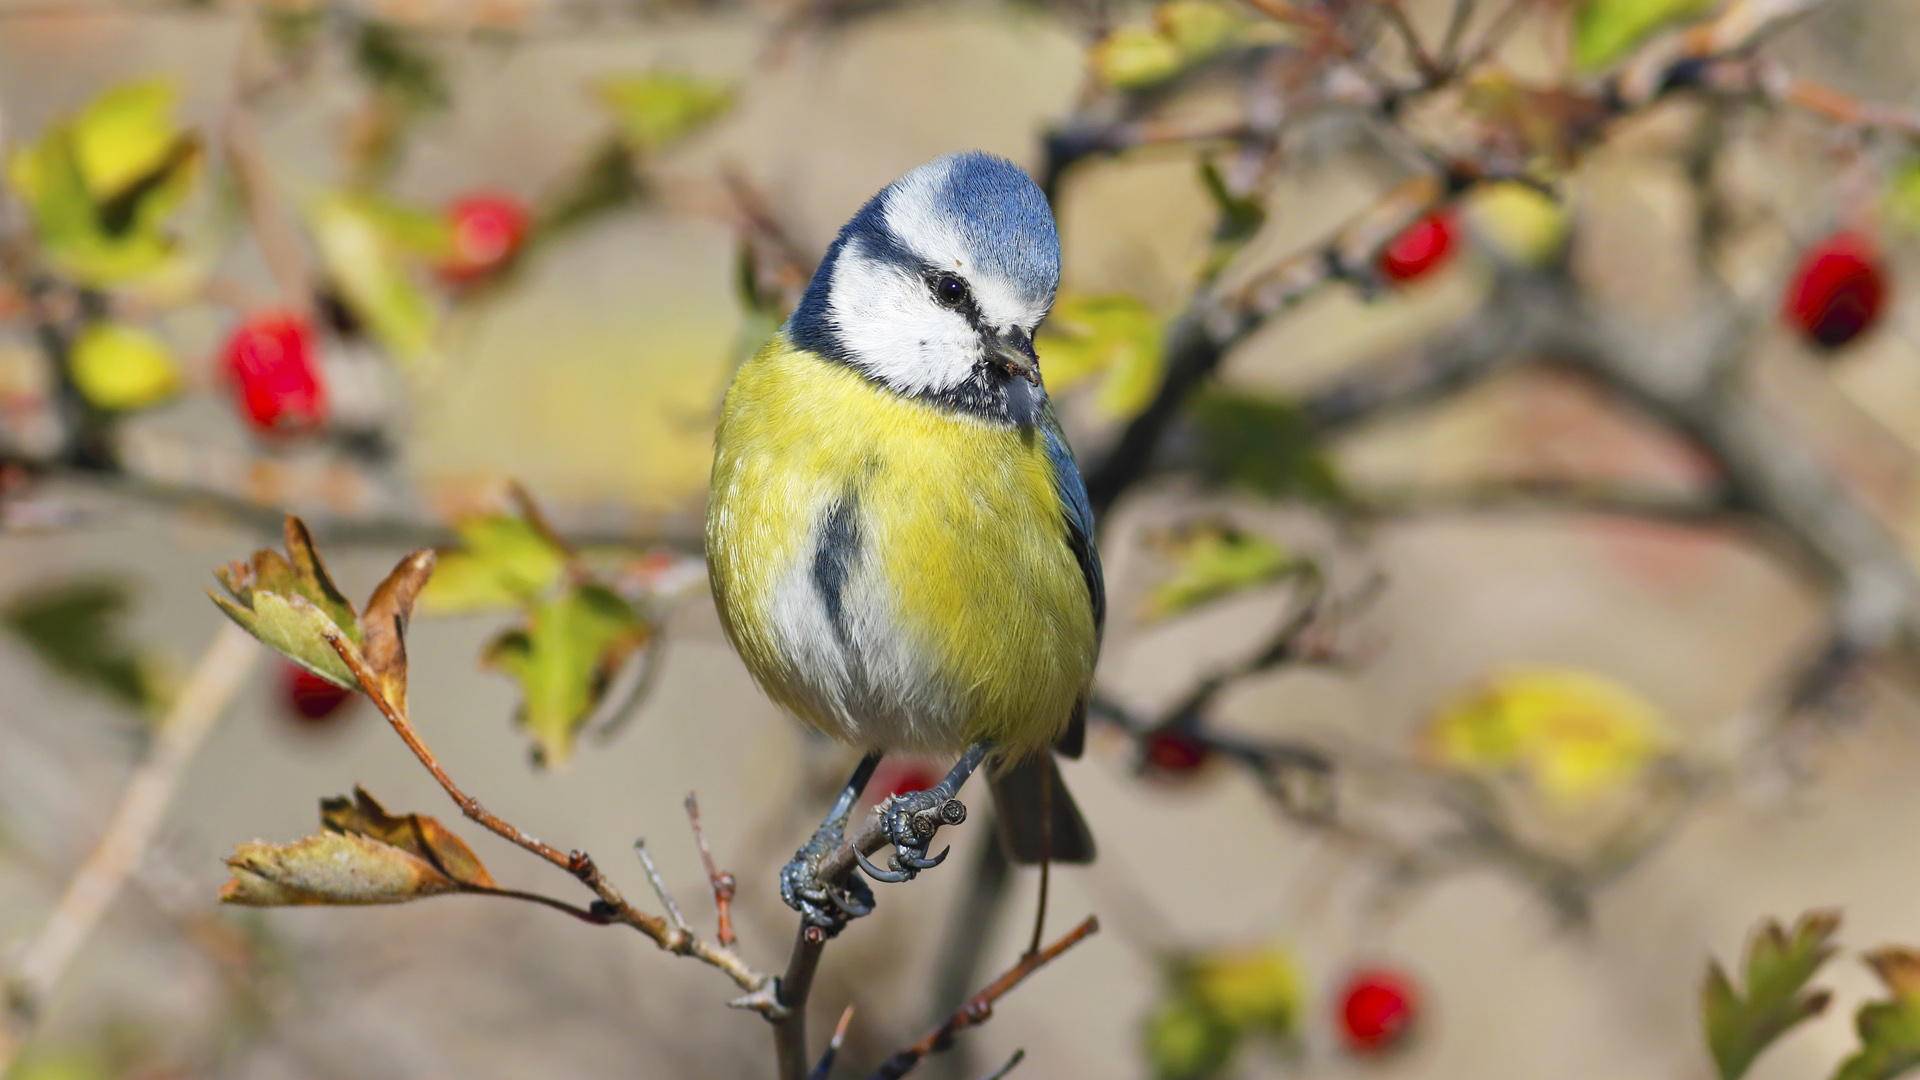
x=383, y=627
x=331, y=868
x=415, y=834
x=1898, y=967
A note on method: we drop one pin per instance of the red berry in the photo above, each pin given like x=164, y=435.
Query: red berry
x=310, y=698
x=1377, y=1010
x=270, y=360
x=488, y=230
x=899, y=777
x=1175, y=751
x=1420, y=248
x=1837, y=293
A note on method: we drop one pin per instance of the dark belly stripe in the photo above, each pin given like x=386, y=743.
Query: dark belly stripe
x=834, y=559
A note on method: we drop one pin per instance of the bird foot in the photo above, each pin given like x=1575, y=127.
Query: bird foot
x=910, y=819
x=827, y=905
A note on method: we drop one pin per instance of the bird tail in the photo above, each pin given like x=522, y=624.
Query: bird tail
x=1034, y=802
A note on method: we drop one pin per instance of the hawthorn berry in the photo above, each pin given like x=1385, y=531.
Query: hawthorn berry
x=309, y=698
x=488, y=231
x=1378, y=1008
x=898, y=777
x=1838, y=291
x=1421, y=248
x=271, y=361
x=1174, y=751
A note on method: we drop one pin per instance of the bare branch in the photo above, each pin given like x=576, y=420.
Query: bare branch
x=722, y=882
x=979, y=1008
x=660, y=888
x=612, y=906
x=218, y=676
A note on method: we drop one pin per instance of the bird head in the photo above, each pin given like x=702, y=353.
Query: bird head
x=936, y=286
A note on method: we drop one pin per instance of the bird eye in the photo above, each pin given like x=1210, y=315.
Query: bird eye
x=949, y=289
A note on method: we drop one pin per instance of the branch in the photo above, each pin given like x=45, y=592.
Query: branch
x=149, y=792
x=722, y=882
x=611, y=907
x=979, y=1009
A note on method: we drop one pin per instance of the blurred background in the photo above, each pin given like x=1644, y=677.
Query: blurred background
x=1502, y=417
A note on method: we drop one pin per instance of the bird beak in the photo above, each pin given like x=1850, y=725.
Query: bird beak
x=1012, y=351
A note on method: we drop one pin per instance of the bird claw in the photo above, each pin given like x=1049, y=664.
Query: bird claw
x=910, y=819
x=827, y=905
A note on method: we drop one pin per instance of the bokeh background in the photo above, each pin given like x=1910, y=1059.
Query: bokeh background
x=590, y=371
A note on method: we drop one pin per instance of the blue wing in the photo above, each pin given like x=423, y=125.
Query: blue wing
x=1078, y=514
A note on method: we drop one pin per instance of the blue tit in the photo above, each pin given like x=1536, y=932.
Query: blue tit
x=899, y=542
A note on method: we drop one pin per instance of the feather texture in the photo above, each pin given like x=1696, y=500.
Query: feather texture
x=900, y=575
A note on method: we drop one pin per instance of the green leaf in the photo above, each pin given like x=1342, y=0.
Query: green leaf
x=124, y=135
x=363, y=255
x=78, y=629
x=1184, y=1040
x=563, y=659
x=1241, y=216
x=290, y=602
x=1216, y=560
x=396, y=62
x=294, y=628
x=1889, y=1029
x=95, y=244
x=1606, y=30
x=1741, y=1024
x=657, y=109
x=1113, y=334
x=120, y=368
x=1267, y=446
x=502, y=562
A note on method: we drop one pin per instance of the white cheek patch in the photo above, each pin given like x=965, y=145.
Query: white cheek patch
x=887, y=320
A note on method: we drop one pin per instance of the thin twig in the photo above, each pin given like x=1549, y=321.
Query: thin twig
x=1012, y=1062
x=825, y=1067
x=979, y=1008
x=218, y=676
x=614, y=906
x=279, y=243
x=722, y=882
x=660, y=888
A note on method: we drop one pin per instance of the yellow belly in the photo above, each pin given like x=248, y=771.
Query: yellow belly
x=965, y=616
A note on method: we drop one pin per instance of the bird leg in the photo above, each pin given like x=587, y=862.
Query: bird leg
x=824, y=904
x=912, y=817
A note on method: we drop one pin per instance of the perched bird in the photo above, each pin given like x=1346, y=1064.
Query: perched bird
x=899, y=541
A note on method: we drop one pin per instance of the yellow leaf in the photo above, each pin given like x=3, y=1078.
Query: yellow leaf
x=363, y=255
x=657, y=109
x=1198, y=28
x=1112, y=334
x=1135, y=56
x=75, y=232
x=1518, y=222
x=502, y=562
x=1573, y=734
x=331, y=868
x=1253, y=989
x=1214, y=561
x=124, y=135
x=119, y=368
x=1605, y=30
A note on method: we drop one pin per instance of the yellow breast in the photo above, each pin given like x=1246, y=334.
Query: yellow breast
x=958, y=612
